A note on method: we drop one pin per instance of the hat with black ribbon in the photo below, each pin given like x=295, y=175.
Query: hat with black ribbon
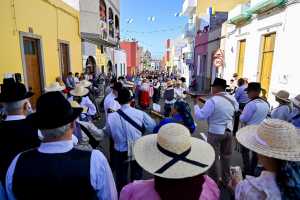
x=173, y=153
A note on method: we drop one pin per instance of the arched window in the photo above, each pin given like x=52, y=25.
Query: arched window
x=103, y=15
x=117, y=23
x=111, y=22
x=117, y=26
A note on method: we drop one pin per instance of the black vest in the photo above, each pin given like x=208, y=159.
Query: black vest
x=58, y=176
x=16, y=136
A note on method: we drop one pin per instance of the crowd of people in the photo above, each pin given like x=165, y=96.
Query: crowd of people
x=51, y=149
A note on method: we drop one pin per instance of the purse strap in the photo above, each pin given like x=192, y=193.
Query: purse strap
x=130, y=121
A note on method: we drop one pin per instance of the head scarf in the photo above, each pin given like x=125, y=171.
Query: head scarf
x=185, y=112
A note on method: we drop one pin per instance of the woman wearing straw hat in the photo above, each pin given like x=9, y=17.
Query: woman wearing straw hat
x=169, y=97
x=79, y=94
x=276, y=142
x=295, y=116
x=283, y=111
x=178, y=162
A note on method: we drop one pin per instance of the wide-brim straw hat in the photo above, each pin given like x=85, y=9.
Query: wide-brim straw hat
x=85, y=83
x=282, y=95
x=169, y=83
x=79, y=91
x=150, y=153
x=54, y=87
x=296, y=101
x=75, y=104
x=272, y=138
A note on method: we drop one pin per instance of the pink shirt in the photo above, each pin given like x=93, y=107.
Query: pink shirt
x=145, y=190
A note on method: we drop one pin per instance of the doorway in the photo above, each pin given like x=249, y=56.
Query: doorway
x=64, y=55
x=241, y=58
x=267, y=60
x=32, y=58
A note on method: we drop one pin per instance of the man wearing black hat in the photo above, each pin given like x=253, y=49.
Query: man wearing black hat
x=126, y=126
x=110, y=104
x=253, y=114
x=56, y=170
x=219, y=111
x=17, y=134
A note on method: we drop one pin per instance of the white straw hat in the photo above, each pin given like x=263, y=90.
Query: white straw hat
x=272, y=138
x=296, y=101
x=283, y=95
x=85, y=83
x=75, y=104
x=156, y=152
x=55, y=87
x=79, y=91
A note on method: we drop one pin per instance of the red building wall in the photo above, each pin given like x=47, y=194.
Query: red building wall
x=131, y=49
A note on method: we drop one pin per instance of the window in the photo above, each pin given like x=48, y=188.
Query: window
x=111, y=22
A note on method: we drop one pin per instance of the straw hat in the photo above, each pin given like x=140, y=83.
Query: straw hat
x=155, y=153
x=79, y=91
x=272, y=138
x=169, y=83
x=178, y=82
x=85, y=83
x=282, y=95
x=296, y=101
x=75, y=104
x=55, y=87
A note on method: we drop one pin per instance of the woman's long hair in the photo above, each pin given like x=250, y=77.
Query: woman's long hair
x=185, y=112
x=179, y=189
x=288, y=180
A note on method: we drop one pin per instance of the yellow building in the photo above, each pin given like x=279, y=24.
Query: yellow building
x=39, y=39
x=217, y=5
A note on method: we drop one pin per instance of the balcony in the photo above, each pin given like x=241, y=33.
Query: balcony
x=189, y=7
x=239, y=14
x=189, y=31
x=261, y=6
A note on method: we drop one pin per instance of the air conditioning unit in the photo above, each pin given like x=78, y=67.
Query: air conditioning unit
x=261, y=6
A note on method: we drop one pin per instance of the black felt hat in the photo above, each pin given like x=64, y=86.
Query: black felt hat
x=124, y=96
x=117, y=86
x=53, y=110
x=219, y=82
x=254, y=86
x=12, y=91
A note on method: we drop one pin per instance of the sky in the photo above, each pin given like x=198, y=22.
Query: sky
x=152, y=34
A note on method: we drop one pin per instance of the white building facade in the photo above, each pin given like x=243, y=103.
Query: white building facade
x=264, y=47
x=100, y=32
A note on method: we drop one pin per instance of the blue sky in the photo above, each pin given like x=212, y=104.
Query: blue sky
x=151, y=35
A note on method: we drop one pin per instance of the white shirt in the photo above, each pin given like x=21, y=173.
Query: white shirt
x=121, y=130
x=76, y=80
x=111, y=103
x=101, y=176
x=86, y=102
x=15, y=117
x=282, y=112
x=179, y=93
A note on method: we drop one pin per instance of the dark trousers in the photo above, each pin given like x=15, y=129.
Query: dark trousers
x=222, y=145
x=122, y=165
x=249, y=162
